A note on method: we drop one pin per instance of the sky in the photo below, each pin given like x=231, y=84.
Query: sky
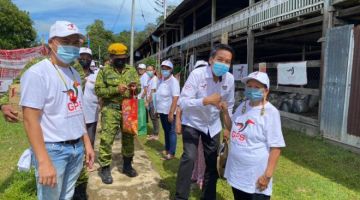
x=116, y=14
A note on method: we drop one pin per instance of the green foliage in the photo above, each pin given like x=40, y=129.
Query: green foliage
x=16, y=29
x=308, y=169
x=99, y=38
x=149, y=61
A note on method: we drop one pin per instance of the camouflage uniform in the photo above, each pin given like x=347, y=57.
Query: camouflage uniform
x=106, y=87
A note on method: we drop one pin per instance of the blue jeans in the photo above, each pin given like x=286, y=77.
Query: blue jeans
x=68, y=162
x=170, y=135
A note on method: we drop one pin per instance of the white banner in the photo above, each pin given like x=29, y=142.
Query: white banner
x=4, y=84
x=240, y=71
x=292, y=73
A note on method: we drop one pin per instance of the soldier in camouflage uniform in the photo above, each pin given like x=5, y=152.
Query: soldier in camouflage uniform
x=112, y=85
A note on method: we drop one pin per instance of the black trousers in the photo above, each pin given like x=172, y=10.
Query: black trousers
x=190, y=138
x=240, y=195
x=91, y=130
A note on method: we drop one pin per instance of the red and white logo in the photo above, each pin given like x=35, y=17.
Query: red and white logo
x=71, y=27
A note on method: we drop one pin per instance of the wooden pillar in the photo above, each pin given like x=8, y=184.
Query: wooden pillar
x=250, y=50
x=327, y=23
x=213, y=18
x=194, y=21
x=213, y=11
x=181, y=30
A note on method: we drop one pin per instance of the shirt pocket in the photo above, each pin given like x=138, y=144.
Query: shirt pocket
x=202, y=90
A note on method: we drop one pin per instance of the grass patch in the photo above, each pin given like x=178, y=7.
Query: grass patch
x=13, y=184
x=308, y=169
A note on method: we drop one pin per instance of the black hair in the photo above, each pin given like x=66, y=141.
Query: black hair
x=219, y=47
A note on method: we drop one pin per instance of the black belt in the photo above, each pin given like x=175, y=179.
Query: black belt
x=70, y=141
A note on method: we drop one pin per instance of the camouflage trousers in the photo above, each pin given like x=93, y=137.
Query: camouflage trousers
x=111, y=123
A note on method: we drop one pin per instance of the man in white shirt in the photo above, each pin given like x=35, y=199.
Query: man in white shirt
x=51, y=98
x=200, y=99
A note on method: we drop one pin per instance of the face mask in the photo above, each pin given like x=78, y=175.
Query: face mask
x=119, y=63
x=67, y=54
x=150, y=73
x=85, y=63
x=166, y=73
x=254, y=94
x=220, y=68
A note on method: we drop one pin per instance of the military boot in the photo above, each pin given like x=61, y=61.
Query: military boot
x=128, y=170
x=105, y=174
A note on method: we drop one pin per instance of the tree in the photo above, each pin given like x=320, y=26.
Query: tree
x=99, y=38
x=169, y=9
x=16, y=29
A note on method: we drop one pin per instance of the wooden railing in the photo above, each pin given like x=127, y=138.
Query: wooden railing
x=260, y=14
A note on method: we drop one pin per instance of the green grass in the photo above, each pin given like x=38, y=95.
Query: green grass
x=13, y=184
x=308, y=169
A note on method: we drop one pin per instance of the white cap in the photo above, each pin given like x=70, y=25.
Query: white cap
x=200, y=62
x=167, y=63
x=64, y=29
x=85, y=50
x=92, y=63
x=259, y=76
x=141, y=66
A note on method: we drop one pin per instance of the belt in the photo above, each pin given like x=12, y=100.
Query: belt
x=70, y=141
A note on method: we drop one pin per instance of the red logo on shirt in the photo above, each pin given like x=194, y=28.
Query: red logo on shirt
x=237, y=134
x=74, y=106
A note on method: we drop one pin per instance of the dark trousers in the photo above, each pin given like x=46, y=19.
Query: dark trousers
x=169, y=132
x=191, y=140
x=91, y=130
x=240, y=195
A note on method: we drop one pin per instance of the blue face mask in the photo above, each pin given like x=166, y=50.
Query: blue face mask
x=220, y=68
x=67, y=54
x=254, y=94
x=166, y=73
x=150, y=73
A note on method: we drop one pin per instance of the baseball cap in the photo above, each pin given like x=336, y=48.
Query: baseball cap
x=64, y=29
x=259, y=76
x=200, y=63
x=167, y=63
x=85, y=50
x=141, y=66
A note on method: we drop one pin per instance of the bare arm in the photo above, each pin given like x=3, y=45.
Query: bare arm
x=90, y=155
x=264, y=180
x=172, y=109
x=47, y=172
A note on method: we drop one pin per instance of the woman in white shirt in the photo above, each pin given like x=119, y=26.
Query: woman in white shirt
x=255, y=141
x=150, y=90
x=167, y=96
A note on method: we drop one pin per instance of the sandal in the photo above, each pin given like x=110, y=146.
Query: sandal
x=168, y=157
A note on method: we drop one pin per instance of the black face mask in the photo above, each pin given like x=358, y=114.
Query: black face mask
x=85, y=63
x=119, y=62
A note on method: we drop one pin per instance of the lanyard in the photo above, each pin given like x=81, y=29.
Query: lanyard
x=69, y=92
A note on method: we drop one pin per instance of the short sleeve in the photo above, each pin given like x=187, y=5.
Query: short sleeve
x=175, y=88
x=273, y=130
x=32, y=90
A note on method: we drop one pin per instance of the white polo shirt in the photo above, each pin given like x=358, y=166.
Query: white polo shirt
x=251, y=137
x=200, y=84
x=91, y=101
x=42, y=88
x=164, y=95
x=143, y=84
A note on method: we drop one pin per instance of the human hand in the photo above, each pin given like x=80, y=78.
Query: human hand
x=9, y=113
x=47, y=174
x=89, y=156
x=122, y=88
x=263, y=182
x=223, y=106
x=213, y=99
x=226, y=134
x=170, y=118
